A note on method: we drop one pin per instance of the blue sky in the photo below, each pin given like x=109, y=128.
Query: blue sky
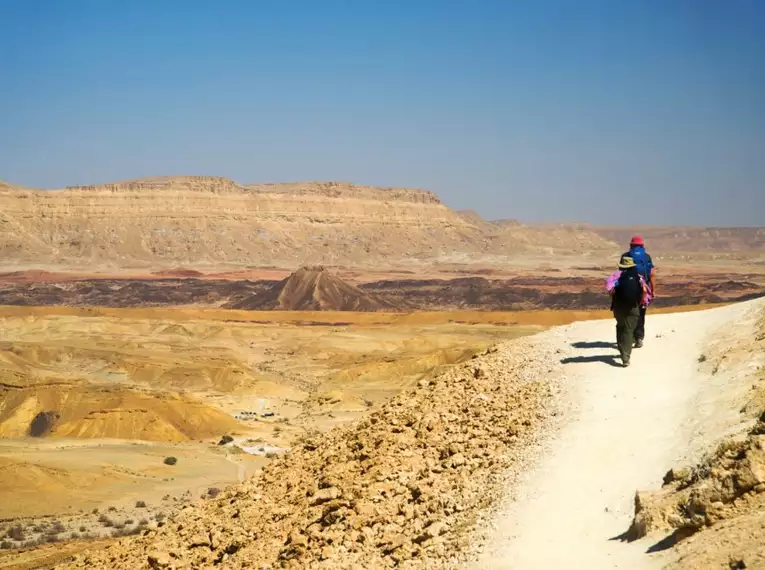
x=603, y=111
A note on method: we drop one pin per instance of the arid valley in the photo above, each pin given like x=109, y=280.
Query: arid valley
x=199, y=373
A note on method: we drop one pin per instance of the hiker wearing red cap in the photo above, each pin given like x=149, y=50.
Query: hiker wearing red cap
x=645, y=268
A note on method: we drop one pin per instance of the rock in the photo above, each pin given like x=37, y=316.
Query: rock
x=431, y=531
x=677, y=475
x=325, y=495
x=199, y=539
x=297, y=539
x=391, y=542
x=159, y=560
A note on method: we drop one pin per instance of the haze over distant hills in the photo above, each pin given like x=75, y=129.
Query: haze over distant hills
x=198, y=221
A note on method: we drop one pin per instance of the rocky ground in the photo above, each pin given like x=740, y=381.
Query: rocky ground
x=398, y=489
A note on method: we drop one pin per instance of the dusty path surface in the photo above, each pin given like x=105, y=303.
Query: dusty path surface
x=622, y=429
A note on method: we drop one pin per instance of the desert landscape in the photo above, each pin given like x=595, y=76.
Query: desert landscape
x=432, y=285
x=196, y=372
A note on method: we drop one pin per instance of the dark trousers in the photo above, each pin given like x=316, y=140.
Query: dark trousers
x=640, y=328
x=626, y=323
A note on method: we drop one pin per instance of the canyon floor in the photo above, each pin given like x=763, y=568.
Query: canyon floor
x=123, y=389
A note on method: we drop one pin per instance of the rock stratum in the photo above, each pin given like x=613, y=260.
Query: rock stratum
x=319, y=289
x=207, y=221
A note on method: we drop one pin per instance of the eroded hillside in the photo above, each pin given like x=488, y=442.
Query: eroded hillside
x=399, y=488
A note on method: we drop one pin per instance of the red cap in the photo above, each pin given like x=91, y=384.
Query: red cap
x=637, y=240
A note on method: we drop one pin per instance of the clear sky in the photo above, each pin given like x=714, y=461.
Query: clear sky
x=604, y=111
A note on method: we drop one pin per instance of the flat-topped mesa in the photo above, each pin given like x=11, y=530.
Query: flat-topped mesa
x=220, y=185
x=349, y=190
x=213, y=184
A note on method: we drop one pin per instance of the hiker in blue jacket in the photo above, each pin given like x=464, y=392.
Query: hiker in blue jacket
x=646, y=268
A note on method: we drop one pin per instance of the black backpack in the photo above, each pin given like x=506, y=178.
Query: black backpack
x=629, y=291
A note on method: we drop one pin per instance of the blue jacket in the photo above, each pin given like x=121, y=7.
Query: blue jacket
x=642, y=260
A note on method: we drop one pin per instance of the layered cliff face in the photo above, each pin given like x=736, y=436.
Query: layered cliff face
x=208, y=221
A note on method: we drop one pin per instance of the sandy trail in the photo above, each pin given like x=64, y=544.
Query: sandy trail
x=622, y=429
x=241, y=470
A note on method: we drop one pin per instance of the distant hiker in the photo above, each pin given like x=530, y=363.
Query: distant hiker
x=645, y=268
x=629, y=292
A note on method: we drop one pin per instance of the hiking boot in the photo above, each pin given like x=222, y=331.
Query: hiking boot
x=639, y=343
x=625, y=363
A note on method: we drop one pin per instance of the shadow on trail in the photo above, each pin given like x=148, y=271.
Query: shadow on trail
x=593, y=344
x=664, y=544
x=605, y=358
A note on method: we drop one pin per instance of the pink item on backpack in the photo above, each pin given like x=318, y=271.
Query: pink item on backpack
x=613, y=280
x=647, y=294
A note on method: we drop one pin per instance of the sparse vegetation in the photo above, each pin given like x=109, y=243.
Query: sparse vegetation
x=83, y=528
x=125, y=532
x=16, y=533
x=6, y=545
x=140, y=504
x=43, y=423
x=170, y=460
x=213, y=492
x=225, y=440
x=702, y=358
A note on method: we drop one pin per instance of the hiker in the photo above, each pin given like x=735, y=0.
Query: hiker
x=645, y=268
x=629, y=292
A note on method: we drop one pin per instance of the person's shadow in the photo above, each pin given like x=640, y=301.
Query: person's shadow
x=593, y=344
x=605, y=358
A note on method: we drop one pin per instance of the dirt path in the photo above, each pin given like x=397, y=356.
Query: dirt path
x=622, y=430
x=241, y=470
